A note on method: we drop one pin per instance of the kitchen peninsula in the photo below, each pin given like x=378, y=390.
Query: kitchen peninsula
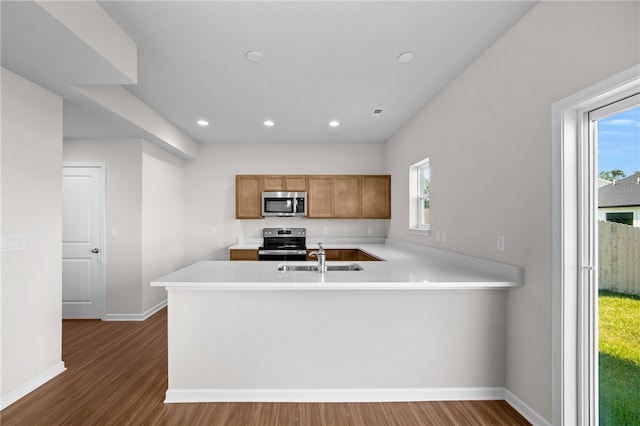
x=423, y=324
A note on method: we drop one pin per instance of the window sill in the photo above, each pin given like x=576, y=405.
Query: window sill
x=423, y=232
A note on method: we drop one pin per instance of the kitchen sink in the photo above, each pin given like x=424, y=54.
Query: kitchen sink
x=297, y=268
x=314, y=268
x=350, y=267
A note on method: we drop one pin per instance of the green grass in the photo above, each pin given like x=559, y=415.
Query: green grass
x=619, y=360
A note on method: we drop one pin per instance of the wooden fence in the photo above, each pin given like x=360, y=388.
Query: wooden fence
x=619, y=257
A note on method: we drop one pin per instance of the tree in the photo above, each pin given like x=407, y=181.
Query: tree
x=611, y=175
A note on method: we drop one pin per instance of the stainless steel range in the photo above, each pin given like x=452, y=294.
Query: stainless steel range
x=283, y=244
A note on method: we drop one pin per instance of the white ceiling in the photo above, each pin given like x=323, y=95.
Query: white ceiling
x=321, y=61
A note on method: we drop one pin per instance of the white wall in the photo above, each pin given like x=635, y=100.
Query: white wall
x=31, y=291
x=210, y=191
x=162, y=220
x=488, y=136
x=124, y=213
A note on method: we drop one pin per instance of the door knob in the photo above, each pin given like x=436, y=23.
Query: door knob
x=95, y=250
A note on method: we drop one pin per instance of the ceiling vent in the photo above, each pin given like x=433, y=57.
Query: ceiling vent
x=376, y=113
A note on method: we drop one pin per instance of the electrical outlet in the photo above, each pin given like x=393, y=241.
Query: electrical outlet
x=213, y=230
x=325, y=229
x=114, y=233
x=257, y=231
x=444, y=236
x=370, y=230
x=500, y=242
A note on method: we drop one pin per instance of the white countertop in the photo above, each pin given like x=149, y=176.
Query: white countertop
x=406, y=267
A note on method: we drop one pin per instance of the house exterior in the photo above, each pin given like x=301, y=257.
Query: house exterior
x=619, y=201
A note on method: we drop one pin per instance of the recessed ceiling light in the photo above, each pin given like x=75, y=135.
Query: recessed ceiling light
x=406, y=57
x=203, y=122
x=269, y=123
x=253, y=56
x=334, y=123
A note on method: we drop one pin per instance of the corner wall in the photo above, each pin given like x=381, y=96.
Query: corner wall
x=488, y=135
x=31, y=290
x=162, y=220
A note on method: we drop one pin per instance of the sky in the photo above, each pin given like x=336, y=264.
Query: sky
x=619, y=142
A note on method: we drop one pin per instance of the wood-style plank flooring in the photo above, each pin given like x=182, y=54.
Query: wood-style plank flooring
x=117, y=375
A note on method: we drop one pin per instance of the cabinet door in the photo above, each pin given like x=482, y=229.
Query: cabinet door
x=348, y=255
x=289, y=183
x=248, y=197
x=272, y=183
x=365, y=257
x=333, y=254
x=346, y=196
x=243, y=254
x=376, y=197
x=295, y=183
x=320, y=196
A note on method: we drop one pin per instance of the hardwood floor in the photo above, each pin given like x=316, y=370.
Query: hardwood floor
x=117, y=375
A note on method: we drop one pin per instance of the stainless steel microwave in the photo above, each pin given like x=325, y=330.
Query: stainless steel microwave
x=284, y=204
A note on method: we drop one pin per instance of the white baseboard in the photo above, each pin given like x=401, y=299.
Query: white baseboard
x=527, y=412
x=31, y=385
x=331, y=395
x=136, y=317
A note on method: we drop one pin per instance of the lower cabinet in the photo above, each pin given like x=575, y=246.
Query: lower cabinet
x=243, y=254
x=362, y=256
x=344, y=255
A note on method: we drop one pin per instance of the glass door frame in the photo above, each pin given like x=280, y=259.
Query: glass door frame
x=574, y=249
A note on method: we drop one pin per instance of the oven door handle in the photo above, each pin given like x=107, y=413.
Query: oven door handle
x=281, y=252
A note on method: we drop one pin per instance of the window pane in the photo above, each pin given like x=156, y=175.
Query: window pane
x=419, y=197
x=425, y=185
x=621, y=217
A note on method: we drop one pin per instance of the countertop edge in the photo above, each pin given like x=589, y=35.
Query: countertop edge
x=335, y=286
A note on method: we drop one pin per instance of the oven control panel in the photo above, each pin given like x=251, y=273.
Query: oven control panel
x=284, y=232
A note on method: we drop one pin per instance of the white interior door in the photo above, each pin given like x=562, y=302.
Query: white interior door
x=83, y=294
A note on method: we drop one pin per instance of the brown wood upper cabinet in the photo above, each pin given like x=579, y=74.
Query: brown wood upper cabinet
x=328, y=196
x=333, y=196
x=376, y=197
x=285, y=183
x=249, y=196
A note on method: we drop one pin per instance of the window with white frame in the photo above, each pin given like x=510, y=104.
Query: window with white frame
x=419, y=197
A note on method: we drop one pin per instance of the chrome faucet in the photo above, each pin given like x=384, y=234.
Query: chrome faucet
x=320, y=254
